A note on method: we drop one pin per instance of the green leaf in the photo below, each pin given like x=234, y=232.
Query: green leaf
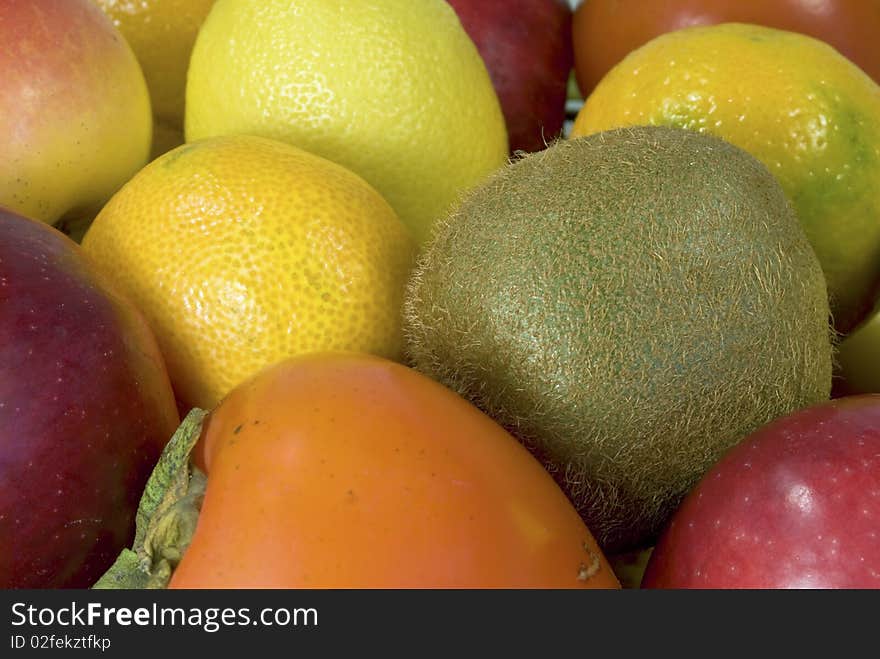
x=166, y=516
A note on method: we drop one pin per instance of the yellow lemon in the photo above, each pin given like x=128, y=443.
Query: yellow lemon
x=242, y=250
x=161, y=34
x=809, y=114
x=394, y=90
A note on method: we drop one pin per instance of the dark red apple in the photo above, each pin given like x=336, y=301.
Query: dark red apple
x=796, y=505
x=527, y=48
x=85, y=410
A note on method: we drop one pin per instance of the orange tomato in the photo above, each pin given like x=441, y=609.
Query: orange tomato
x=350, y=471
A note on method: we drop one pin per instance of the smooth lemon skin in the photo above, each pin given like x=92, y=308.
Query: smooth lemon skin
x=394, y=90
x=75, y=117
x=242, y=251
x=809, y=114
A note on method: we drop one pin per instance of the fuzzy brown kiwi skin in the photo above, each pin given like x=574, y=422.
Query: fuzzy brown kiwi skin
x=629, y=305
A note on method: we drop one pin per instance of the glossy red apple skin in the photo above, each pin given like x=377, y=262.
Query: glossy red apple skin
x=527, y=48
x=795, y=505
x=85, y=410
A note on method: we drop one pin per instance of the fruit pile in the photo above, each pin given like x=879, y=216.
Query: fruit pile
x=465, y=294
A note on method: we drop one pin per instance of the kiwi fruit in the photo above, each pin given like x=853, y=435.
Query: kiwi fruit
x=629, y=304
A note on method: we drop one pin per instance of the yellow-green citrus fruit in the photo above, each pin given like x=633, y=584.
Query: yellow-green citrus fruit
x=242, y=251
x=394, y=90
x=858, y=359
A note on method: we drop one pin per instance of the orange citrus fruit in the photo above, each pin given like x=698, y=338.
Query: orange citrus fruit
x=808, y=113
x=242, y=251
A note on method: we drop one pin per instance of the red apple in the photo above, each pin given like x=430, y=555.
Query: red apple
x=74, y=108
x=796, y=505
x=85, y=410
x=527, y=48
